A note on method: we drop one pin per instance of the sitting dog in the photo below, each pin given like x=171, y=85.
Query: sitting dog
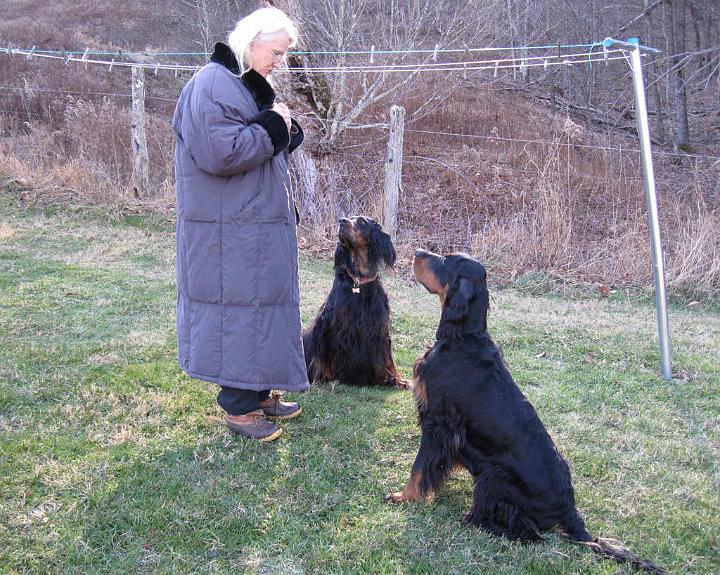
x=349, y=340
x=473, y=415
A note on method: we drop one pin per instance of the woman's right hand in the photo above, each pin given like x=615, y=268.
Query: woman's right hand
x=284, y=111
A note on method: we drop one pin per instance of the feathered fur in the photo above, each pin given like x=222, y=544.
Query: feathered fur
x=472, y=414
x=349, y=340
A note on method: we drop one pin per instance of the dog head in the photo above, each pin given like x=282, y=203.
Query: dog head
x=460, y=281
x=362, y=247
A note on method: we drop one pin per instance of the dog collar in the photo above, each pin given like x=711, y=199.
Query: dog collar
x=360, y=281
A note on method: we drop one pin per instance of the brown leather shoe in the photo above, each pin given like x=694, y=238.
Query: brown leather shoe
x=274, y=407
x=253, y=425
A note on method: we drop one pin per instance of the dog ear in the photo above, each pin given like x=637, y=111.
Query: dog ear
x=456, y=308
x=381, y=248
x=343, y=259
x=457, y=302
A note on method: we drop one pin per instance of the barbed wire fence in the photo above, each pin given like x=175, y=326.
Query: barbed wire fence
x=445, y=60
x=140, y=63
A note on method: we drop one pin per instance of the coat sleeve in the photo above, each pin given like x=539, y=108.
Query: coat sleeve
x=222, y=143
x=296, y=136
x=276, y=128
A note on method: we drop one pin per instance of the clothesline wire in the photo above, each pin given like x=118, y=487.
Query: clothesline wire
x=460, y=67
x=495, y=64
x=528, y=60
x=436, y=50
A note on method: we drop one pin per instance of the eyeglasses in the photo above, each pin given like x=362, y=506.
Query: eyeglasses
x=276, y=55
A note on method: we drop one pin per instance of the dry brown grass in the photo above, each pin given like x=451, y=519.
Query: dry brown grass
x=696, y=257
x=84, y=157
x=561, y=207
x=528, y=196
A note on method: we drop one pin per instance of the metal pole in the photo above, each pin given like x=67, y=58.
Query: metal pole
x=651, y=199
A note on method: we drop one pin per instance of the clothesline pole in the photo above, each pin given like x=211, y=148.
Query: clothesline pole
x=634, y=48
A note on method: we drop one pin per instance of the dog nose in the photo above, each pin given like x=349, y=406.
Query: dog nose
x=343, y=221
x=419, y=253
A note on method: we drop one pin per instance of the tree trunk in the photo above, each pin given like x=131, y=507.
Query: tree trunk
x=676, y=34
x=590, y=90
x=652, y=83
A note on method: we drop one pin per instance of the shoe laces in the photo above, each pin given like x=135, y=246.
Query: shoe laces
x=258, y=419
x=275, y=397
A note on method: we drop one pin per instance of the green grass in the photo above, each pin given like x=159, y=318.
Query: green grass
x=113, y=461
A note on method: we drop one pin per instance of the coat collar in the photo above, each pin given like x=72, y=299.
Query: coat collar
x=261, y=89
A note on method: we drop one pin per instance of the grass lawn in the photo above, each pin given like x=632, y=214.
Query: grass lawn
x=113, y=461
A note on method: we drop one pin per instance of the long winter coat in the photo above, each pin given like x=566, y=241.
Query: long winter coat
x=238, y=303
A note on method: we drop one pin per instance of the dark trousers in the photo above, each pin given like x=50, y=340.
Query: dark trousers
x=240, y=401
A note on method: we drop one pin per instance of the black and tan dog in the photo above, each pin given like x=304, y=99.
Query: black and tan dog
x=349, y=340
x=472, y=414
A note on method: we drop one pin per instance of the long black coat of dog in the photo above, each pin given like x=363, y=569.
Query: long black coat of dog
x=349, y=341
x=472, y=414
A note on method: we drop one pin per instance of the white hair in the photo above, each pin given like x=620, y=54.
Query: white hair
x=261, y=25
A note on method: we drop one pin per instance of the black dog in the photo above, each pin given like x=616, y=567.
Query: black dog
x=473, y=415
x=349, y=340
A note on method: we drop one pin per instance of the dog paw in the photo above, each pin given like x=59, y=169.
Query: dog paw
x=403, y=383
x=397, y=497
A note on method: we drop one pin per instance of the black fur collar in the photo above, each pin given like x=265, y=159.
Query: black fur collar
x=222, y=54
x=262, y=91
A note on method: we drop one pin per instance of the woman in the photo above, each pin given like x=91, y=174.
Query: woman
x=238, y=304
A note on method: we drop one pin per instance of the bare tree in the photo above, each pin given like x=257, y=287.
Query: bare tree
x=198, y=13
x=207, y=21
x=332, y=28
x=523, y=22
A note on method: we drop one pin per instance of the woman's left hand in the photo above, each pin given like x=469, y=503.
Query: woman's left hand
x=284, y=111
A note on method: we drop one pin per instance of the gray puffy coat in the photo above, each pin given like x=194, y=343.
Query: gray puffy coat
x=238, y=302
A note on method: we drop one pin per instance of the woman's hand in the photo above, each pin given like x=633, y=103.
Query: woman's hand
x=284, y=111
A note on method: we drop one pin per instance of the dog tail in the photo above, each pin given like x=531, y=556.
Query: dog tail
x=574, y=530
x=617, y=551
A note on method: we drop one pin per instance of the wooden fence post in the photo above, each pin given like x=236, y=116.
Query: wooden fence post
x=393, y=169
x=141, y=180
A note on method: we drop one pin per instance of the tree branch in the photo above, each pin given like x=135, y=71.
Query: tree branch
x=643, y=14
